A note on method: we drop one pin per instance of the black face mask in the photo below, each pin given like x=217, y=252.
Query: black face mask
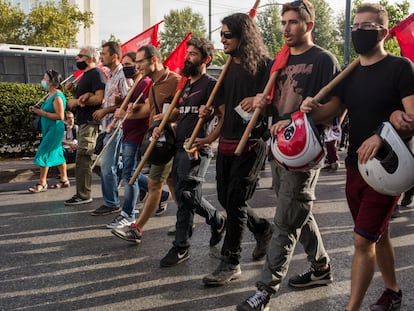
x=190, y=69
x=129, y=71
x=364, y=40
x=81, y=65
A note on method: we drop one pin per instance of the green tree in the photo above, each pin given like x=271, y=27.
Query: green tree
x=47, y=24
x=177, y=24
x=11, y=20
x=111, y=38
x=219, y=58
x=55, y=24
x=325, y=33
x=269, y=22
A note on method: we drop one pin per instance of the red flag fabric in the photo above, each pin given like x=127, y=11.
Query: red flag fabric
x=181, y=83
x=78, y=74
x=404, y=32
x=252, y=13
x=175, y=61
x=281, y=60
x=149, y=36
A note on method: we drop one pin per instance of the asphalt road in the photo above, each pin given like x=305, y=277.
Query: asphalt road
x=54, y=257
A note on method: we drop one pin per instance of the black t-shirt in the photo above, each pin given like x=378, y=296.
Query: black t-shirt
x=304, y=75
x=91, y=81
x=371, y=94
x=192, y=97
x=237, y=85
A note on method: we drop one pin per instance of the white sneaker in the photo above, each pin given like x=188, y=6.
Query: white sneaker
x=120, y=221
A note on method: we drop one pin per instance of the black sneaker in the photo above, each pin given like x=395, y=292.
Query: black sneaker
x=389, y=301
x=262, y=242
x=105, y=210
x=174, y=257
x=217, y=233
x=129, y=234
x=258, y=301
x=75, y=200
x=162, y=207
x=312, y=277
x=224, y=273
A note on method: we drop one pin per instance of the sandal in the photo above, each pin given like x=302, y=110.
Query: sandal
x=61, y=184
x=38, y=188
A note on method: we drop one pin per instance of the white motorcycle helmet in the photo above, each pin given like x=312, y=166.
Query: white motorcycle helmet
x=391, y=171
x=298, y=147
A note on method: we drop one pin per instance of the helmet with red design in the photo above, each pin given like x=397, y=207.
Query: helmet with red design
x=390, y=172
x=298, y=146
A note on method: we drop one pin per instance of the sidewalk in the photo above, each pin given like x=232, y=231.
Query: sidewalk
x=23, y=169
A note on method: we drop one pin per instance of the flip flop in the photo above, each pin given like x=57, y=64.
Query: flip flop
x=38, y=188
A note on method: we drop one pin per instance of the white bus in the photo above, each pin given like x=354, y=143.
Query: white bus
x=27, y=64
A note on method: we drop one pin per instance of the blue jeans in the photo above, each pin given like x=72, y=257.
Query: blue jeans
x=131, y=156
x=188, y=176
x=109, y=169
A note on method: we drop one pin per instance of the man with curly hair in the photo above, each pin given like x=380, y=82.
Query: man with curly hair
x=237, y=175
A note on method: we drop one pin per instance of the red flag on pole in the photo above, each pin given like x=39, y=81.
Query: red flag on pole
x=280, y=62
x=149, y=36
x=78, y=74
x=175, y=61
x=404, y=32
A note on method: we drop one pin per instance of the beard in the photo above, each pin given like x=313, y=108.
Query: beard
x=191, y=69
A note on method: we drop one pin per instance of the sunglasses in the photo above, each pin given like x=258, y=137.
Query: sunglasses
x=226, y=34
x=298, y=3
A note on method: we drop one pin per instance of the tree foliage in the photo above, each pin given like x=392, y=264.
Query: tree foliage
x=47, y=24
x=11, y=20
x=325, y=34
x=177, y=24
x=111, y=38
x=269, y=22
x=219, y=58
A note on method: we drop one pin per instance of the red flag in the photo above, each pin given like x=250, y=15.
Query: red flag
x=281, y=60
x=175, y=61
x=149, y=36
x=181, y=83
x=78, y=74
x=404, y=32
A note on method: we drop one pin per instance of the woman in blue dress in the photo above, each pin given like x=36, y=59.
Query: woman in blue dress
x=50, y=151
